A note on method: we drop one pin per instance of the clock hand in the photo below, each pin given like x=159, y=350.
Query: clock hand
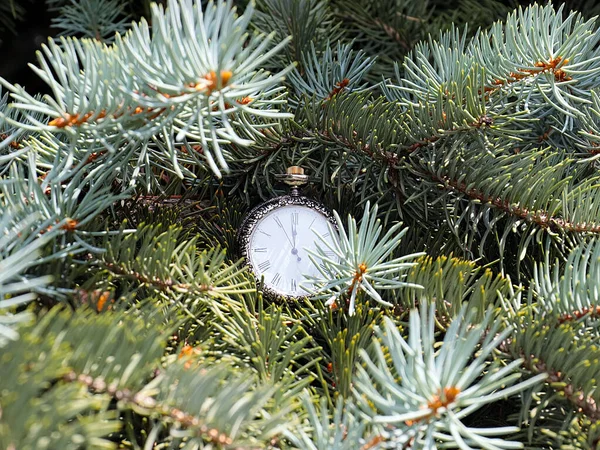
x=284, y=232
x=294, y=234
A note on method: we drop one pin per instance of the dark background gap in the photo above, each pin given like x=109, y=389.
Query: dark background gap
x=19, y=49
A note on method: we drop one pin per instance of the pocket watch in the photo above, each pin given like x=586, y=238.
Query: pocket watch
x=275, y=236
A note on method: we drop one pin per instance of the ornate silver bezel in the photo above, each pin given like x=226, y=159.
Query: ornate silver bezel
x=252, y=219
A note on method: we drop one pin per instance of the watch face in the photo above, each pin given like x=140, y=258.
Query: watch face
x=277, y=239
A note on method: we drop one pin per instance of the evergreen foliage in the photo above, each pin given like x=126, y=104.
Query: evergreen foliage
x=11, y=11
x=100, y=19
x=458, y=306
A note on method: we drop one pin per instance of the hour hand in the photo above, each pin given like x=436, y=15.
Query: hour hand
x=284, y=232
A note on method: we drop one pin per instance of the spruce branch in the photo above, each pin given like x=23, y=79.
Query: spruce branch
x=530, y=189
x=108, y=352
x=96, y=19
x=177, y=80
x=17, y=255
x=12, y=139
x=324, y=76
x=359, y=261
x=217, y=405
x=386, y=28
x=276, y=347
x=117, y=364
x=558, y=74
x=565, y=349
x=81, y=368
x=570, y=293
x=589, y=135
x=443, y=88
x=164, y=261
x=307, y=22
x=560, y=383
x=450, y=282
x=11, y=12
x=423, y=395
x=566, y=354
x=371, y=128
x=566, y=307
x=341, y=430
x=343, y=337
x=68, y=204
x=65, y=202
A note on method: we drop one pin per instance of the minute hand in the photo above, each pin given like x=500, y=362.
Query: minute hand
x=294, y=234
x=285, y=232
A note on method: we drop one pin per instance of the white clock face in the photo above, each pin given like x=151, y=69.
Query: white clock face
x=277, y=248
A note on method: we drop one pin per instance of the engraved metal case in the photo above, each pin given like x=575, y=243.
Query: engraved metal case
x=252, y=219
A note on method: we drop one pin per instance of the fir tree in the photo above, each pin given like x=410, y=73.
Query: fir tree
x=459, y=304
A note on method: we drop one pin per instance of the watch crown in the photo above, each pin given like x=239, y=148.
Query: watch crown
x=294, y=177
x=295, y=170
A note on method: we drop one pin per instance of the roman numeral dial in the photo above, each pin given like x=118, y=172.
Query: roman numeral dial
x=277, y=247
x=265, y=265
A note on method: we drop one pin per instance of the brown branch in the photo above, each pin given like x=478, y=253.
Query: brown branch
x=539, y=217
x=99, y=386
x=546, y=135
x=585, y=405
x=164, y=285
x=410, y=18
x=208, y=84
x=481, y=122
x=392, y=33
x=595, y=146
x=389, y=158
x=373, y=442
x=358, y=276
x=13, y=144
x=70, y=224
x=423, y=143
x=184, y=201
x=440, y=400
x=116, y=269
x=576, y=315
x=555, y=66
x=339, y=87
x=93, y=157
